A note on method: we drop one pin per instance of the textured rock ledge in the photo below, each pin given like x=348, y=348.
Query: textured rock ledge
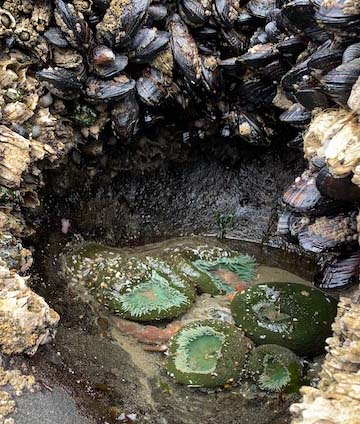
x=26, y=321
x=337, y=399
x=333, y=135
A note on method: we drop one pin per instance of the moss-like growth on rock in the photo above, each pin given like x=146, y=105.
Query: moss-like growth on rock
x=207, y=353
x=292, y=315
x=275, y=368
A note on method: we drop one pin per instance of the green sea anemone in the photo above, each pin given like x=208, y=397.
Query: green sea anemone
x=155, y=283
x=137, y=288
x=240, y=268
x=203, y=266
x=292, y=315
x=275, y=368
x=153, y=299
x=185, y=269
x=207, y=353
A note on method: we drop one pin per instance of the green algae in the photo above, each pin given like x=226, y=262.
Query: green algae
x=292, y=315
x=207, y=353
x=275, y=368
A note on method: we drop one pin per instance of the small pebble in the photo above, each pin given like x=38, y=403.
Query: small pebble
x=46, y=100
x=36, y=131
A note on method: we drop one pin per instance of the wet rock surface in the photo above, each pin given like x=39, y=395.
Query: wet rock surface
x=49, y=407
x=176, y=199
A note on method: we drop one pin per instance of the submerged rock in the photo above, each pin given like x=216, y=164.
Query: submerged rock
x=155, y=284
x=292, y=315
x=207, y=353
x=208, y=307
x=275, y=368
x=26, y=321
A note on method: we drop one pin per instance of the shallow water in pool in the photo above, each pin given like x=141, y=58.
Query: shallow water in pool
x=129, y=358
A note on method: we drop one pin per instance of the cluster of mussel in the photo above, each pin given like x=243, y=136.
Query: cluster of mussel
x=323, y=88
x=199, y=68
x=217, y=66
x=216, y=347
x=322, y=205
x=134, y=64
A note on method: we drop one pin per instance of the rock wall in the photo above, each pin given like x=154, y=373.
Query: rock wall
x=26, y=321
x=337, y=398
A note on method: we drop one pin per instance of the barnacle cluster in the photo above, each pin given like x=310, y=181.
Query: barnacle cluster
x=26, y=321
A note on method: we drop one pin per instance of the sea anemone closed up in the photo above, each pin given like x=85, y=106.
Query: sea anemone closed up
x=287, y=314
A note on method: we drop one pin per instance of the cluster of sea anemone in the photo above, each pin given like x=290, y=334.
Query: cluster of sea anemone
x=287, y=319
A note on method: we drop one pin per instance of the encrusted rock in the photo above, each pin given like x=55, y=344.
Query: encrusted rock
x=354, y=99
x=26, y=321
x=336, y=400
x=335, y=136
x=323, y=123
x=342, y=153
x=19, y=383
x=15, y=157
